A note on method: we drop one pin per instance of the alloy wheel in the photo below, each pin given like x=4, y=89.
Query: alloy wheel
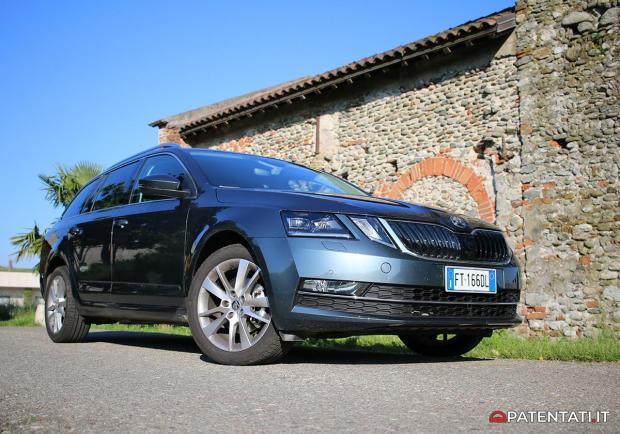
x=56, y=304
x=233, y=309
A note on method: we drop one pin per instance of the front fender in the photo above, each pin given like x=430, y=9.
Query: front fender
x=242, y=223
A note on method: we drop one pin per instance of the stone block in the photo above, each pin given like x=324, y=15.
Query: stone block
x=612, y=293
x=577, y=17
x=536, y=324
x=610, y=16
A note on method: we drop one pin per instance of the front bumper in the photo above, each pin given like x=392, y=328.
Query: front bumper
x=404, y=295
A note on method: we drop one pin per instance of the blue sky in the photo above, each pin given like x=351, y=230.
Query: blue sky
x=82, y=80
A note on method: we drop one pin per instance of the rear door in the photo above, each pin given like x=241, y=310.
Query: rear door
x=90, y=234
x=149, y=242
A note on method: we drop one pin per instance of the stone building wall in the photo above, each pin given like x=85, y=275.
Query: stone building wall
x=463, y=111
x=522, y=132
x=568, y=64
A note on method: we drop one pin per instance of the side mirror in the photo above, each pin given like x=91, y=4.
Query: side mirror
x=162, y=185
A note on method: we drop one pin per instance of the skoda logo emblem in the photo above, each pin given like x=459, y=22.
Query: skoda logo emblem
x=458, y=222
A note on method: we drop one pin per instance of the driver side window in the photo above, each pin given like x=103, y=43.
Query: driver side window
x=160, y=165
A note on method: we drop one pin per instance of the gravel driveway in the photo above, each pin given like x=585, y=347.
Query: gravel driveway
x=132, y=382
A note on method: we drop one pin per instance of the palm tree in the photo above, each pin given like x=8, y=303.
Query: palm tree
x=66, y=182
x=28, y=243
x=60, y=188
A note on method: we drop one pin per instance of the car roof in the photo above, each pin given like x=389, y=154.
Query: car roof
x=145, y=153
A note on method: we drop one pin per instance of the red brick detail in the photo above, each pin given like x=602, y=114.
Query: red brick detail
x=535, y=315
x=443, y=166
x=527, y=242
x=171, y=135
x=404, y=181
x=536, y=312
x=426, y=167
x=240, y=145
x=383, y=188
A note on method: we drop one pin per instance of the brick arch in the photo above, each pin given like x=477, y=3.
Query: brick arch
x=443, y=166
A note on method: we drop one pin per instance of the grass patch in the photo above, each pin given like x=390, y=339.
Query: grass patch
x=155, y=328
x=502, y=345
x=383, y=344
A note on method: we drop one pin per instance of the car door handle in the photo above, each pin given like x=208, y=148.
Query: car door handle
x=75, y=231
x=121, y=223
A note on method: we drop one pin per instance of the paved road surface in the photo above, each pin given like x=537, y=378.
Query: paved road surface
x=131, y=382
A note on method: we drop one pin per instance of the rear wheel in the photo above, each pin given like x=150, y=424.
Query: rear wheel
x=62, y=319
x=441, y=344
x=229, y=312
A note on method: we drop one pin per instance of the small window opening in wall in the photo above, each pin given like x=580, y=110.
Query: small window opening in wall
x=394, y=164
x=563, y=143
x=481, y=147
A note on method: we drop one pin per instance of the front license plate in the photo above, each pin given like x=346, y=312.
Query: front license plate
x=470, y=280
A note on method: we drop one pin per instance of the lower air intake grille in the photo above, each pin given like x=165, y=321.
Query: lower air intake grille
x=402, y=310
x=407, y=293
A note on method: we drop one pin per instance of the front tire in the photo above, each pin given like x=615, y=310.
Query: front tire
x=441, y=344
x=63, y=322
x=229, y=313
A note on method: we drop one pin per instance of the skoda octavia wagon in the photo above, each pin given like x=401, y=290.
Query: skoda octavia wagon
x=255, y=253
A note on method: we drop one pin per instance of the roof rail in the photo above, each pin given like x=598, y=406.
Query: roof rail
x=141, y=153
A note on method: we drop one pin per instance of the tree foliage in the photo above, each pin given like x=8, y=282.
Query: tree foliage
x=28, y=243
x=60, y=189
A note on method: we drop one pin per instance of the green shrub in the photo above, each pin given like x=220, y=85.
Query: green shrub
x=11, y=315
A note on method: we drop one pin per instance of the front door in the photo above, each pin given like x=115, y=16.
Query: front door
x=89, y=241
x=90, y=235
x=149, y=243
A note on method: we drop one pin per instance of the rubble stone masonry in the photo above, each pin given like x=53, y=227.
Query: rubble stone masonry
x=567, y=60
x=522, y=132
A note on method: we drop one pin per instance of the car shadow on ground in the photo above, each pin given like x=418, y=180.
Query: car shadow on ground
x=298, y=355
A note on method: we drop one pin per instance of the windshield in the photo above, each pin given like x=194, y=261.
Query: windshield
x=249, y=171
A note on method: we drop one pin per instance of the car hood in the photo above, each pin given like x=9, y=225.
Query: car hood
x=343, y=204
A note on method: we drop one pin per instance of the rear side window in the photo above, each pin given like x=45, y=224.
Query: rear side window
x=161, y=165
x=80, y=202
x=116, y=187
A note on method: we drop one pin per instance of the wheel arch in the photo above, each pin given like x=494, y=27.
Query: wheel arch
x=55, y=260
x=214, y=241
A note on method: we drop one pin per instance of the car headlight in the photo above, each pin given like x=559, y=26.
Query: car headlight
x=373, y=229
x=313, y=224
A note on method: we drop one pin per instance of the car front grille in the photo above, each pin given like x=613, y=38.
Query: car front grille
x=401, y=310
x=437, y=242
